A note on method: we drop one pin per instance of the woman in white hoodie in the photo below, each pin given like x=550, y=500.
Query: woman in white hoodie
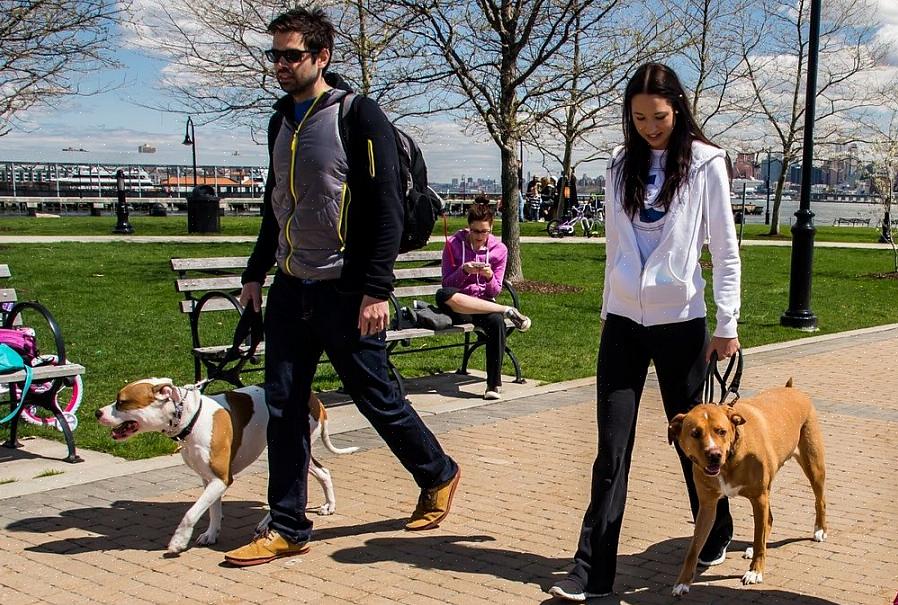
x=667, y=194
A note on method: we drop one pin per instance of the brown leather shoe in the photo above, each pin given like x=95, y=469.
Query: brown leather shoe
x=265, y=547
x=433, y=505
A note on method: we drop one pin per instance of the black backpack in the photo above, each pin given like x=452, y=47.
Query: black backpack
x=422, y=205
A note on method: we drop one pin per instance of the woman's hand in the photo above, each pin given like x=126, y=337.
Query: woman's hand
x=470, y=267
x=725, y=347
x=487, y=272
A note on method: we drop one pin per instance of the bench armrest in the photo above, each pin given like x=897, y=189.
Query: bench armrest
x=516, y=301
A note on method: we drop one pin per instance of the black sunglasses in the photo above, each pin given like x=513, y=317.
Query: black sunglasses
x=291, y=55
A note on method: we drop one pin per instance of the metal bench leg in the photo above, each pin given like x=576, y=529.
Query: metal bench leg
x=73, y=457
x=518, y=378
x=13, y=443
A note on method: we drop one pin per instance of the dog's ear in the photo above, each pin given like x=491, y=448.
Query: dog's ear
x=674, y=428
x=735, y=417
x=167, y=390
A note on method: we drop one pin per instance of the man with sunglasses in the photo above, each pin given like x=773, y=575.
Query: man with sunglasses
x=332, y=222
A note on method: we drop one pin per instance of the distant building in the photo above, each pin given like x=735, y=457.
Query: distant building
x=744, y=166
x=146, y=148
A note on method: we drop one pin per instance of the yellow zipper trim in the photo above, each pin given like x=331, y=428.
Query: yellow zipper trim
x=343, y=221
x=293, y=145
x=371, y=158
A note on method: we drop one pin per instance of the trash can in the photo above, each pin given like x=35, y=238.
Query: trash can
x=202, y=210
x=738, y=217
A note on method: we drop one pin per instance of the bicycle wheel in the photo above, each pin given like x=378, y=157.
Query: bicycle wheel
x=552, y=229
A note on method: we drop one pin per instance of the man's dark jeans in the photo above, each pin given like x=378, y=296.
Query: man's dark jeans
x=302, y=320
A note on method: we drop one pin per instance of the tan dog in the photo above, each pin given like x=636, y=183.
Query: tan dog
x=220, y=436
x=736, y=451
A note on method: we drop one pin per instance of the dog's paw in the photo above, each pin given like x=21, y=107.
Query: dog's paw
x=820, y=535
x=207, y=537
x=178, y=544
x=749, y=553
x=752, y=577
x=328, y=508
x=680, y=589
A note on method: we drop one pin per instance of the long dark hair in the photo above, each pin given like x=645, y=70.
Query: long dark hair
x=657, y=79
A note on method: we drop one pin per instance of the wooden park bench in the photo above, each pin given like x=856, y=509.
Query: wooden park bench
x=213, y=284
x=53, y=374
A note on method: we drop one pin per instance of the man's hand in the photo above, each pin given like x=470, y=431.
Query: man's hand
x=251, y=292
x=725, y=347
x=374, y=315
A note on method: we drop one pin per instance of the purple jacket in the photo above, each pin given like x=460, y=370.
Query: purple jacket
x=458, y=251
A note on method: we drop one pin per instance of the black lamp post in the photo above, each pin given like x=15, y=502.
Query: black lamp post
x=767, y=211
x=190, y=139
x=121, y=205
x=799, y=314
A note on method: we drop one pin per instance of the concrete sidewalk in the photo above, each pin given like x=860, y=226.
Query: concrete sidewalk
x=526, y=463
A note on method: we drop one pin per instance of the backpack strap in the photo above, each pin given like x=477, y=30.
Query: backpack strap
x=348, y=114
x=274, y=127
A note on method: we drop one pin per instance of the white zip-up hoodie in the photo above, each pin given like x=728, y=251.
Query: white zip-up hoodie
x=670, y=287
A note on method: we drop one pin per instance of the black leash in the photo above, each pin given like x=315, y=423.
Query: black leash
x=248, y=334
x=712, y=376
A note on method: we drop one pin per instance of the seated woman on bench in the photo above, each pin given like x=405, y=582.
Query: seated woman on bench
x=473, y=271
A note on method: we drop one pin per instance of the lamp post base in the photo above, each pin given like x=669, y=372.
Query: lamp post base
x=805, y=321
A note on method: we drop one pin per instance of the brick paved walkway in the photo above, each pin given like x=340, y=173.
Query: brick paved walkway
x=525, y=470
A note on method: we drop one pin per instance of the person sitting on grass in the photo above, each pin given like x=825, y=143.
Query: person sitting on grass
x=473, y=271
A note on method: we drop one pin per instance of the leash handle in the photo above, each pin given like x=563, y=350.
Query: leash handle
x=712, y=376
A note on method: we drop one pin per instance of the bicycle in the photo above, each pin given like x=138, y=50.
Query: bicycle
x=584, y=216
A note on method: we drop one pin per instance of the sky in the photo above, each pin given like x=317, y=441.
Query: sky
x=111, y=126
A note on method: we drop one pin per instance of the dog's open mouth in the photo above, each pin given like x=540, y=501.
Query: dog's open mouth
x=712, y=470
x=125, y=430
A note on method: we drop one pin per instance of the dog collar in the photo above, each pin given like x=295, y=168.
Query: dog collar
x=179, y=411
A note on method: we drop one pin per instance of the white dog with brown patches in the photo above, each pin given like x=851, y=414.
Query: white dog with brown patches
x=220, y=435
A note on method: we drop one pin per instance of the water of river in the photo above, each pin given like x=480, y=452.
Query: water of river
x=824, y=212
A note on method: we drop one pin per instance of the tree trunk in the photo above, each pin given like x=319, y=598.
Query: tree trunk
x=511, y=228
x=777, y=200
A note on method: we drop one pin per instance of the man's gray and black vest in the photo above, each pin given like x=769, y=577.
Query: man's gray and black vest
x=312, y=213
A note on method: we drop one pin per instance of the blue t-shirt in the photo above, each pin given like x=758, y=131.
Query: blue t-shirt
x=300, y=109
x=649, y=222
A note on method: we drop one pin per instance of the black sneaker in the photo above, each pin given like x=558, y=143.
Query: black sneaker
x=713, y=556
x=570, y=589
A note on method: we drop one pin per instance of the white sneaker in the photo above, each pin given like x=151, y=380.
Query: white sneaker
x=492, y=394
x=520, y=321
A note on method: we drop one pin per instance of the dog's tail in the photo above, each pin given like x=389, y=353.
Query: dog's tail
x=789, y=383
x=326, y=440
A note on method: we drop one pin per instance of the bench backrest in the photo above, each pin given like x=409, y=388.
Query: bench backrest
x=7, y=295
x=417, y=274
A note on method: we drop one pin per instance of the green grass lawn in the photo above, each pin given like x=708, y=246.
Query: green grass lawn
x=119, y=313
x=249, y=225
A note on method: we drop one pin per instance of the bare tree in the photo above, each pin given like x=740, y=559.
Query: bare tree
x=713, y=37
x=46, y=45
x=884, y=149
x=217, y=67
x=494, y=50
x=591, y=70
x=776, y=72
